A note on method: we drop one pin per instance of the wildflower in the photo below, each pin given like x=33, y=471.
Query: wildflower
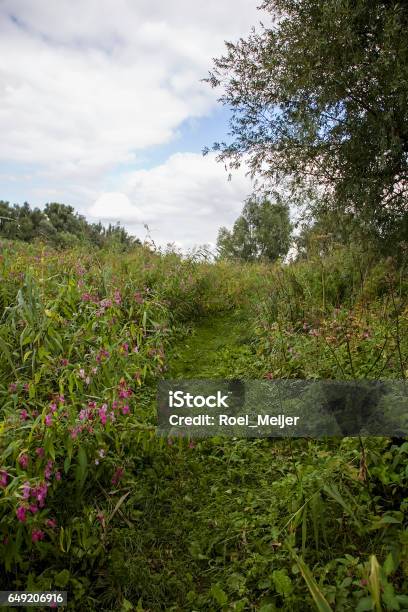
x=82, y=373
x=84, y=414
x=3, y=478
x=26, y=490
x=48, y=420
x=101, y=452
x=37, y=535
x=26, y=386
x=23, y=414
x=12, y=387
x=23, y=461
x=61, y=399
x=40, y=452
x=86, y=297
x=48, y=470
x=102, y=413
x=117, y=476
x=51, y=523
x=40, y=493
x=117, y=297
x=21, y=514
x=53, y=407
x=64, y=362
x=125, y=409
x=58, y=476
x=191, y=444
x=87, y=380
x=33, y=508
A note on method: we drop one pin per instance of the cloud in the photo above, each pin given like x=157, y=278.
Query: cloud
x=185, y=200
x=86, y=85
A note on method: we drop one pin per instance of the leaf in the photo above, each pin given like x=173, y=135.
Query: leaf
x=366, y=603
x=374, y=582
x=61, y=579
x=389, y=566
x=318, y=597
x=219, y=595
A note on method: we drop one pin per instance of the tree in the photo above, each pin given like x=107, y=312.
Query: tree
x=261, y=232
x=320, y=98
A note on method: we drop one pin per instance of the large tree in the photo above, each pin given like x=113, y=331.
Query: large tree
x=319, y=97
x=261, y=232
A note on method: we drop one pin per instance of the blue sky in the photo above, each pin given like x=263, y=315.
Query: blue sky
x=102, y=106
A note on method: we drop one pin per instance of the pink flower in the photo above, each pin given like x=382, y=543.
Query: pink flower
x=37, y=535
x=48, y=420
x=64, y=362
x=125, y=409
x=23, y=461
x=102, y=413
x=117, y=476
x=12, y=387
x=3, y=478
x=23, y=414
x=40, y=493
x=33, y=508
x=117, y=297
x=40, y=452
x=53, y=407
x=21, y=514
x=26, y=490
x=48, y=470
x=26, y=386
x=51, y=523
x=57, y=475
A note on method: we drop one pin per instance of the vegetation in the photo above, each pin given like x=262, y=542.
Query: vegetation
x=261, y=232
x=319, y=102
x=59, y=225
x=92, y=501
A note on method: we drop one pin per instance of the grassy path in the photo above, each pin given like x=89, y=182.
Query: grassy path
x=218, y=347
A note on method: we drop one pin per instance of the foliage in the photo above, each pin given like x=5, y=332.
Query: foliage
x=319, y=99
x=58, y=225
x=261, y=232
x=93, y=502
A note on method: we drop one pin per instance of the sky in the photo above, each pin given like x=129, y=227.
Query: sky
x=102, y=107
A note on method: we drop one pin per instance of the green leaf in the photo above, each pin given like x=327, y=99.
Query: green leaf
x=219, y=595
x=318, y=597
x=366, y=603
x=61, y=579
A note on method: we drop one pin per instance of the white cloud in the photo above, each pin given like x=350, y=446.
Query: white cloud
x=185, y=200
x=86, y=84
x=89, y=85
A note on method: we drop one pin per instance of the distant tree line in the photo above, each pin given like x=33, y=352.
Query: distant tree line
x=59, y=225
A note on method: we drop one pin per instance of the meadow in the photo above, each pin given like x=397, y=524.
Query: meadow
x=93, y=502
